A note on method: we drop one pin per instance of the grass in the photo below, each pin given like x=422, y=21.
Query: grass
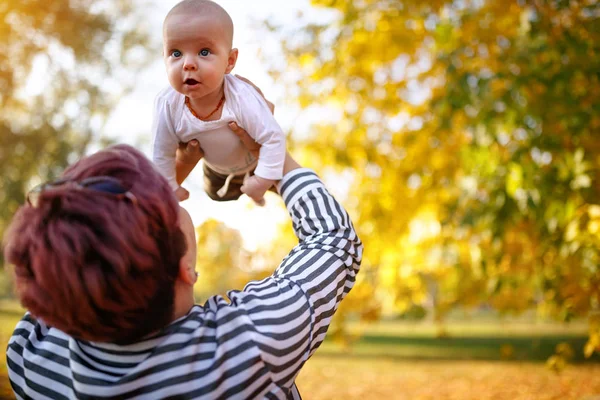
x=393, y=360
x=464, y=341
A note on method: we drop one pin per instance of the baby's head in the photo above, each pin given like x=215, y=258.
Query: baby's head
x=197, y=47
x=206, y=9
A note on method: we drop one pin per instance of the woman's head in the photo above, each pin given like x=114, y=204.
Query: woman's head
x=96, y=266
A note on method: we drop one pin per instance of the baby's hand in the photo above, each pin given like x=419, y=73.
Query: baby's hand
x=255, y=187
x=182, y=194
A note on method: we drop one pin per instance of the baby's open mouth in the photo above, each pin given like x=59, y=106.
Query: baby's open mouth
x=191, y=82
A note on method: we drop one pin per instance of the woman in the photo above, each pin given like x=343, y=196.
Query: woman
x=104, y=261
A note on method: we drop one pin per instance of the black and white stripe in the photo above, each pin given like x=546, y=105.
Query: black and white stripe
x=250, y=347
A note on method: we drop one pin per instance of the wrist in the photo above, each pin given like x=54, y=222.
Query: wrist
x=289, y=164
x=264, y=183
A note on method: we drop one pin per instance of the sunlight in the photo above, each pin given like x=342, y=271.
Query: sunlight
x=425, y=226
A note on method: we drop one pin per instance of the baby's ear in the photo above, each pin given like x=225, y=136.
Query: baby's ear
x=231, y=60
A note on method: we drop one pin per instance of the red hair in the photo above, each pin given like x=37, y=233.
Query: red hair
x=94, y=266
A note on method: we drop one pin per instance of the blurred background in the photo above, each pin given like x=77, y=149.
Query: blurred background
x=462, y=136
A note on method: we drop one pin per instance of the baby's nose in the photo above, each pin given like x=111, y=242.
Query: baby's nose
x=189, y=65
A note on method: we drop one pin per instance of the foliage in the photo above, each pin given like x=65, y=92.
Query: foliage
x=223, y=263
x=6, y=283
x=471, y=128
x=220, y=254
x=63, y=66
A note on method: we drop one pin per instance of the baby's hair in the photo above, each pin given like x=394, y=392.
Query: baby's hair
x=203, y=7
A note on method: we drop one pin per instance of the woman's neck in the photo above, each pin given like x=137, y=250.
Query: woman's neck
x=183, y=300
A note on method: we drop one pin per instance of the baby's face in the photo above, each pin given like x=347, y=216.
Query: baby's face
x=197, y=54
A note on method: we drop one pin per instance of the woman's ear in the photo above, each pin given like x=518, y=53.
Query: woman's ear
x=231, y=60
x=187, y=273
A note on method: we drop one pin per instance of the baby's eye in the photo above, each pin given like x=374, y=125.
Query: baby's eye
x=204, y=52
x=176, y=53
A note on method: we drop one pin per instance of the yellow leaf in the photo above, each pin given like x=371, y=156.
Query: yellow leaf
x=592, y=345
x=594, y=211
x=507, y=351
x=556, y=363
x=307, y=59
x=589, y=349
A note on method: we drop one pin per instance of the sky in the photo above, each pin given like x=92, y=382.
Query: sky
x=131, y=120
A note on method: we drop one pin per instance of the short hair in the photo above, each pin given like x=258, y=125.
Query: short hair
x=203, y=7
x=97, y=267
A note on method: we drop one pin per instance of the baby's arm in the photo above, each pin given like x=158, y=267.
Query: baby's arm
x=164, y=146
x=256, y=117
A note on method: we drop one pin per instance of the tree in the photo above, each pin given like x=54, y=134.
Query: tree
x=63, y=66
x=471, y=128
x=223, y=264
x=220, y=255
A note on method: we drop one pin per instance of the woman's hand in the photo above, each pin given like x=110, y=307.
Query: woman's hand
x=189, y=153
x=187, y=156
x=249, y=143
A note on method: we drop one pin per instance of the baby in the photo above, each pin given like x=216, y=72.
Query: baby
x=203, y=98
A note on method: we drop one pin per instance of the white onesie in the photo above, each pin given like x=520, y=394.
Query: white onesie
x=173, y=122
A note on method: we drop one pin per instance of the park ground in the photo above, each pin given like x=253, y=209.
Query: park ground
x=403, y=360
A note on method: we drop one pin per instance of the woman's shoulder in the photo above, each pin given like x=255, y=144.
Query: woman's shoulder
x=30, y=325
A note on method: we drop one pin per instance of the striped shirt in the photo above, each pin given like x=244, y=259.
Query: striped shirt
x=252, y=346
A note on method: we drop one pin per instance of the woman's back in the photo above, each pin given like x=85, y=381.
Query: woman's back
x=250, y=347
